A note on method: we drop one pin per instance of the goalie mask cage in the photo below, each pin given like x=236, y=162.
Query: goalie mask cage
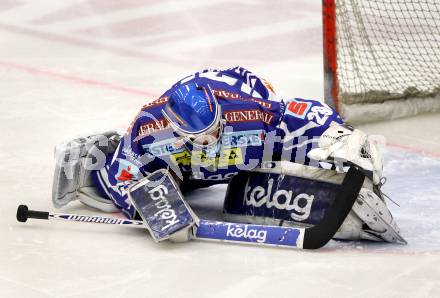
x=381, y=58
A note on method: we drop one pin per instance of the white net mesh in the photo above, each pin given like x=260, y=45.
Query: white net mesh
x=388, y=50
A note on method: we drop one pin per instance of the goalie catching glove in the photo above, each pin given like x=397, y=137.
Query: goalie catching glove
x=341, y=144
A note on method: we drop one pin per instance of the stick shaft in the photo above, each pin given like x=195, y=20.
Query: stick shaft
x=23, y=214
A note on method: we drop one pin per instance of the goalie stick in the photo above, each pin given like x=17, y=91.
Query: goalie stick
x=305, y=238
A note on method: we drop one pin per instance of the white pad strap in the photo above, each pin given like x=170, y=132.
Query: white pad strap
x=371, y=209
x=89, y=196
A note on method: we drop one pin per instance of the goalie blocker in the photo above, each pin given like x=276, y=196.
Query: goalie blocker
x=167, y=216
x=160, y=204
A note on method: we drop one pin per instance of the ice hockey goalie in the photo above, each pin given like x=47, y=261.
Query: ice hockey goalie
x=284, y=158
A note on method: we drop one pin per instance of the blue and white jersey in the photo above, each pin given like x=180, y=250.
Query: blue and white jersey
x=258, y=126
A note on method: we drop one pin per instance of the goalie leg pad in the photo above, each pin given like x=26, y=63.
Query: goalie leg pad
x=296, y=195
x=272, y=196
x=75, y=159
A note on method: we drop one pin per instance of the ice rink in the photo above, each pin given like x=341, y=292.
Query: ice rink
x=74, y=66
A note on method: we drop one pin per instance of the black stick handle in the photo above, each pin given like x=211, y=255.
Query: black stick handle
x=23, y=213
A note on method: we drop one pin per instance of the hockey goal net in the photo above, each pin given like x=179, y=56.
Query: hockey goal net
x=381, y=58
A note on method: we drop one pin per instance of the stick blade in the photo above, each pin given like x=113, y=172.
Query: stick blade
x=317, y=236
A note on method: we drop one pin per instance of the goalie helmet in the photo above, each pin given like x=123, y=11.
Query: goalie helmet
x=194, y=113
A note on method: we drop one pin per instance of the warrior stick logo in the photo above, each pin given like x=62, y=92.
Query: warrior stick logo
x=96, y=219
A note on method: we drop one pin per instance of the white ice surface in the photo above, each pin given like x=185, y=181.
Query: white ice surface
x=56, y=81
